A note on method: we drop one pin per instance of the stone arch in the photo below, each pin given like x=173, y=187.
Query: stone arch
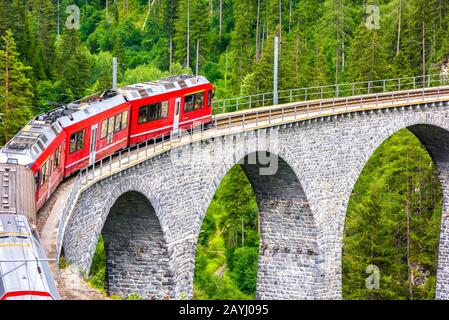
x=137, y=258
x=432, y=130
x=288, y=252
x=89, y=219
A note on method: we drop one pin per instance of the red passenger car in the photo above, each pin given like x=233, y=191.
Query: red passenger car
x=95, y=130
x=168, y=105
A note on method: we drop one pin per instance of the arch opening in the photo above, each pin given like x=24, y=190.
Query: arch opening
x=274, y=251
x=393, y=221
x=132, y=259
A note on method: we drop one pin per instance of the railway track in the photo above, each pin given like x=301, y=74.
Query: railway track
x=248, y=116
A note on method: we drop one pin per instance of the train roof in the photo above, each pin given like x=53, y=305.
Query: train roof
x=161, y=86
x=82, y=109
x=30, y=142
x=34, y=138
x=23, y=265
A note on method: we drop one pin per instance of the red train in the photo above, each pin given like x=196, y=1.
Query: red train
x=67, y=139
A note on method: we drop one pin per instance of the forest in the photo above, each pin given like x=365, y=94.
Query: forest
x=48, y=59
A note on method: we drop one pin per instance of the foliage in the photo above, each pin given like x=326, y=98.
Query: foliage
x=226, y=263
x=15, y=88
x=63, y=264
x=98, y=267
x=399, y=178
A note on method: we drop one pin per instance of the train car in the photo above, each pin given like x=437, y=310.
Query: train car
x=95, y=129
x=24, y=270
x=39, y=147
x=168, y=105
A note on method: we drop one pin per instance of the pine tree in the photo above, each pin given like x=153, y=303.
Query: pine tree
x=4, y=8
x=401, y=66
x=420, y=37
x=17, y=20
x=367, y=57
x=73, y=61
x=336, y=28
x=15, y=89
x=41, y=51
x=190, y=26
x=393, y=222
x=242, y=49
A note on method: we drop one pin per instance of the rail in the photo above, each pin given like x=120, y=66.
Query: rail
x=238, y=121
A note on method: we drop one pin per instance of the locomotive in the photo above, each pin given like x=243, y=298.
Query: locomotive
x=57, y=144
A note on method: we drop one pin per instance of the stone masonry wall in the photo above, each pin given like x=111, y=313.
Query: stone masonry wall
x=288, y=256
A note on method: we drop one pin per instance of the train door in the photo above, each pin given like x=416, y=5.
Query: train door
x=93, y=144
x=176, y=116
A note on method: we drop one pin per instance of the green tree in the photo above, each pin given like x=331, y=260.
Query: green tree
x=367, y=57
x=73, y=65
x=15, y=89
x=190, y=26
x=393, y=222
x=245, y=263
x=420, y=41
x=41, y=50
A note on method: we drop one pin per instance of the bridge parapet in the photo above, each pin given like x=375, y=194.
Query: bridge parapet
x=330, y=92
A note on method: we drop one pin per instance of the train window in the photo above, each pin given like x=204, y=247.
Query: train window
x=177, y=107
x=112, y=125
x=104, y=129
x=36, y=179
x=153, y=112
x=209, y=98
x=44, y=173
x=110, y=138
x=164, y=111
x=57, y=156
x=143, y=114
x=118, y=123
x=194, y=102
x=110, y=130
x=124, y=120
x=77, y=141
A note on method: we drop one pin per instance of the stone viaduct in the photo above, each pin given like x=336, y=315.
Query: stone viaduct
x=150, y=215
